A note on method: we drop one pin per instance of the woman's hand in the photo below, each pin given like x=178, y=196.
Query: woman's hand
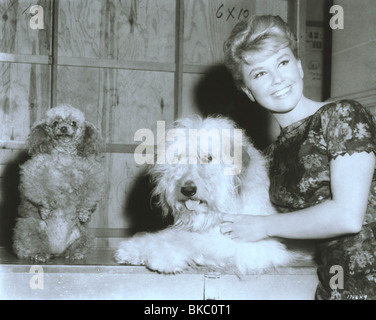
x=244, y=227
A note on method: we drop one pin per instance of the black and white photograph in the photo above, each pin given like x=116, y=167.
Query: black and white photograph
x=201, y=151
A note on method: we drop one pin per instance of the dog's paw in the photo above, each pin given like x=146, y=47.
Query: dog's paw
x=128, y=254
x=167, y=266
x=45, y=209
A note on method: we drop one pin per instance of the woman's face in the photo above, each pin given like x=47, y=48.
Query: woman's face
x=276, y=82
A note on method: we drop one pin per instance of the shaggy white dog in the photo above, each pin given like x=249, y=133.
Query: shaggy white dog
x=197, y=181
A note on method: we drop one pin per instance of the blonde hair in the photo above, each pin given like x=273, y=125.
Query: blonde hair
x=259, y=35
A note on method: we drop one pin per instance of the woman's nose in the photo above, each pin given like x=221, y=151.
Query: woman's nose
x=277, y=77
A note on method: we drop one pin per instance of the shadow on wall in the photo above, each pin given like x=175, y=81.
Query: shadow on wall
x=10, y=199
x=142, y=213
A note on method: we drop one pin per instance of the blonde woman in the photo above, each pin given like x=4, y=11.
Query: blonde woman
x=321, y=166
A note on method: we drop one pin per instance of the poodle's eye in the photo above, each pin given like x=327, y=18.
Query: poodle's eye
x=55, y=123
x=73, y=123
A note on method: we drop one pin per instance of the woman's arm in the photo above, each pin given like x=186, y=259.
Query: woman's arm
x=350, y=176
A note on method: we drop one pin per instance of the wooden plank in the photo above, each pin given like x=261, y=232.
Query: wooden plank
x=120, y=174
x=179, y=47
x=129, y=30
x=192, y=68
x=24, y=92
x=109, y=148
x=272, y=7
x=54, y=53
x=120, y=102
x=300, y=18
x=207, y=24
x=24, y=98
x=12, y=145
x=79, y=86
x=24, y=58
x=120, y=148
x=116, y=64
x=16, y=36
x=141, y=98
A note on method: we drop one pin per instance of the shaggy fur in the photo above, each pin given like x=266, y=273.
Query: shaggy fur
x=60, y=187
x=197, y=195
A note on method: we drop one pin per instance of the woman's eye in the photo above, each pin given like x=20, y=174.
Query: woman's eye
x=284, y=62
x=210, y=158
x=258, y=75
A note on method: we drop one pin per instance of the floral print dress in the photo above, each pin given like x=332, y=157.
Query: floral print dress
x=300, y=178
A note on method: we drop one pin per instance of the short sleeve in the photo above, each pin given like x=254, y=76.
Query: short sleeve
x=348, y=127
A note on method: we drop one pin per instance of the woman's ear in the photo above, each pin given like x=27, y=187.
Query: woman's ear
x=300, y=68
x=248, y=93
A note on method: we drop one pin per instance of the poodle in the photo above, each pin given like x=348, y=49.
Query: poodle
x=60, y=187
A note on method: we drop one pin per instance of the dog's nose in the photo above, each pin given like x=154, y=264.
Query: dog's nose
x=189, y=189
x=63, y=129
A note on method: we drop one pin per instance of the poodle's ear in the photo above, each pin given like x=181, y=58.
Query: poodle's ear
x=92, y=142
x=39, y=140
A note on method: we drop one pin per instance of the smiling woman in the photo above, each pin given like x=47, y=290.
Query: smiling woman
x=323, y=196
x=276, y=82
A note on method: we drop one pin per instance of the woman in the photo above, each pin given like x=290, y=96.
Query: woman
x=321, y=167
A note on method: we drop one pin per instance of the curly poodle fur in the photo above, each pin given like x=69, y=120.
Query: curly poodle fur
x=60, y=186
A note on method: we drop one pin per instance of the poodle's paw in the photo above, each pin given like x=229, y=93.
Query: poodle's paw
x=128, y=254
x=83, y=214
x=41, y=257
x=44, y=212
x=75, y=256
x=45, y=209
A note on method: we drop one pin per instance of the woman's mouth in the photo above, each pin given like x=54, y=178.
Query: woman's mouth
x=282, y=93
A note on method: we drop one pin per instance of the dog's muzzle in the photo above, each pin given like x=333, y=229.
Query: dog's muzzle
x=189, y=189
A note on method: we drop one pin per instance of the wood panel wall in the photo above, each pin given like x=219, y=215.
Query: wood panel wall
x=126, y=65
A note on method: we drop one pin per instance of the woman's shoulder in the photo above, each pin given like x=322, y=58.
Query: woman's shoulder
x=344, y=113
x=342, y=108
